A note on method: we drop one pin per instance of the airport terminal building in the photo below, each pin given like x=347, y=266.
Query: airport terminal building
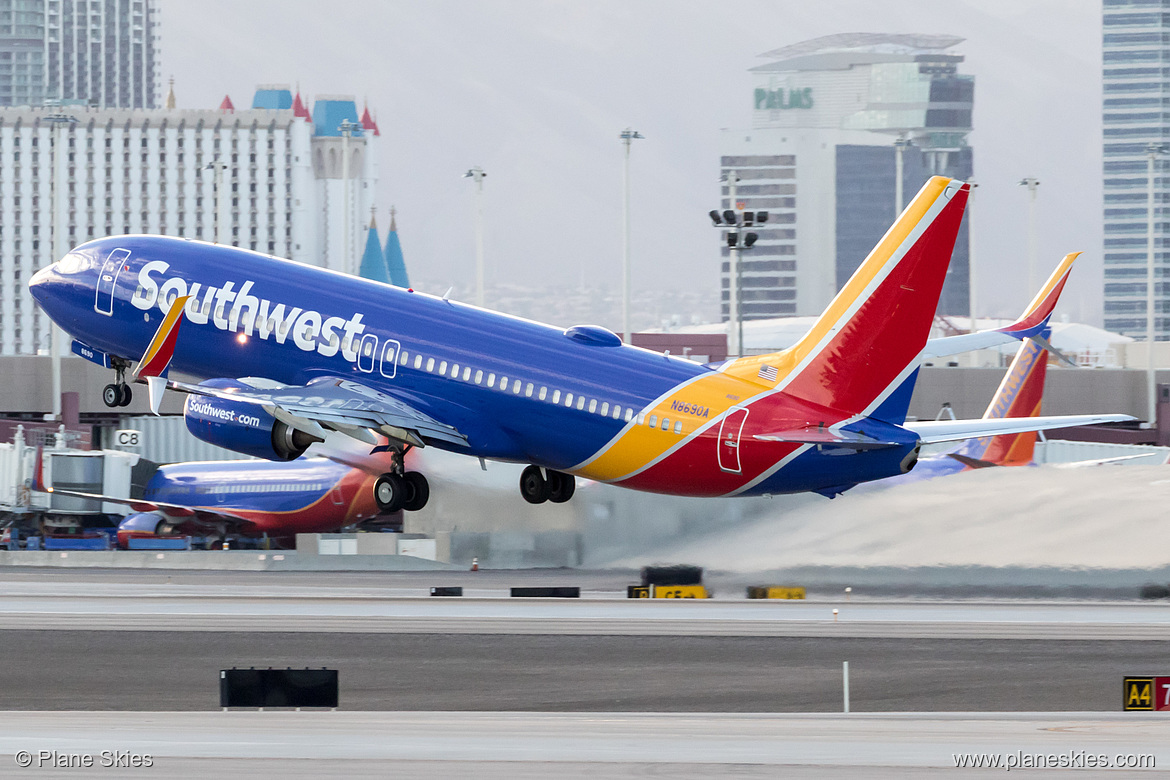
x=820, y=157
x=281, y=191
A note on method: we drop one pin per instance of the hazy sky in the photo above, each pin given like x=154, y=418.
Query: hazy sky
x=537, y=92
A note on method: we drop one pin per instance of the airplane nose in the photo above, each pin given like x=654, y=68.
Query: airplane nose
x=41, y=281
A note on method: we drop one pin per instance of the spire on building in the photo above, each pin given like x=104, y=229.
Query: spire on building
x=171, y=94
x=373, y=261
x=226, y=106
x=395, y=264
x=298, y=107
x=368, y=122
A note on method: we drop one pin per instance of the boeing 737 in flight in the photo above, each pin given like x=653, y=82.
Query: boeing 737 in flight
x=293, y=353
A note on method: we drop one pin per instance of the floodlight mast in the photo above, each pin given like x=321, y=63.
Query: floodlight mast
x=347, y=129
x=1153, y=151
x=627, y=136
x=58, y=122
x=477, y=174
x=1032, y=184
x=733, y=219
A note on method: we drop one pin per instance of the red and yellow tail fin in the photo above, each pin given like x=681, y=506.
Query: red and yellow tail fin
x=1036, y=315
x=865, y=346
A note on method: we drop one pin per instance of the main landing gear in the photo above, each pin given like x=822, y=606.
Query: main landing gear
x=119, y=393
x=538, y=487
x=399, y=489
x=408, y=491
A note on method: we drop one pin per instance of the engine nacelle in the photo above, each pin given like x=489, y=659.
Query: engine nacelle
x=139, y=525
x=243, y=427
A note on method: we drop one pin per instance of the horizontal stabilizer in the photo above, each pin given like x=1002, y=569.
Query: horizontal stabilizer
x=1056, y=353
x=974, y=463
x=826, y=437
x=934, y=431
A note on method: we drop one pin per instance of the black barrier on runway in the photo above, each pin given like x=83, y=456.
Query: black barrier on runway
x=548, y=593
x=278, y=688
x=680, y=574
x=450, y=591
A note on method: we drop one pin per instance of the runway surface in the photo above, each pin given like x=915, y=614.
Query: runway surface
x=129, y=670
x=531, y=745
x=72, y=641
x=78, y=604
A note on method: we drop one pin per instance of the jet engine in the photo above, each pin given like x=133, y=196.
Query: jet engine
x=141, y=524
x=243, y=427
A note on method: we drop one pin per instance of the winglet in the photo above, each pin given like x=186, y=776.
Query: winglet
x=1036, y=315
x=38, y=475
x=155, y=385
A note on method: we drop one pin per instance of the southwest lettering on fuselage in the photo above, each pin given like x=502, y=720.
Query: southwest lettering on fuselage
x=310, y=330
x=227, y=415
x=689, y=408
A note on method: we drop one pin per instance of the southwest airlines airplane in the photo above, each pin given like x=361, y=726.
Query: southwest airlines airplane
x=291, y=354
x=248, y=498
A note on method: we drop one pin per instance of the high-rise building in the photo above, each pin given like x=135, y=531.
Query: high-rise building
x=155, y=171
x=101, y=53
x=821, y=157
x=1136, y=73
x=22, y=52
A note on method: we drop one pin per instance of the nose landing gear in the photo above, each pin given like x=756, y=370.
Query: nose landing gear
x=536, y=487
x=118, y=393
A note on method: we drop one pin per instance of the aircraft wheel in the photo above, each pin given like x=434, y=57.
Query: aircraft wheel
x=125, y=395
x=561, y=486
x=111, y=395
x=533, y=486
x=390, y=492
x=420, y=493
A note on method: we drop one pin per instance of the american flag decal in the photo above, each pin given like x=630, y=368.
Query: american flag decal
x=768, y=373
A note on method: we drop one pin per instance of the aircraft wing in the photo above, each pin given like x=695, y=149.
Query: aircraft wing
x=934, y=431
x=342, y=405
x=174, y=512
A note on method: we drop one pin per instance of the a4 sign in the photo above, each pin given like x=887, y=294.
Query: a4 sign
x=1147, y=693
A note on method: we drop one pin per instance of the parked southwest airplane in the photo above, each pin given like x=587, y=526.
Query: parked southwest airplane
x=248, y=498
x=295, y=352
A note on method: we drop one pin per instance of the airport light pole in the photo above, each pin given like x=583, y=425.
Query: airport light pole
x=899, y=197
x=347, y=129
x=477, y=174
x=1032, y=185
x=732, y=219
x=971, y=291
x=628, y=136
x=216, y=166
x=58, y=123
x=1152, y=153
x=734, y=329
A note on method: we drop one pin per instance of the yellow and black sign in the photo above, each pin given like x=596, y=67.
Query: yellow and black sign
x=1139, y=693
x=774, y=592
x=679, y=592
x=637, y=591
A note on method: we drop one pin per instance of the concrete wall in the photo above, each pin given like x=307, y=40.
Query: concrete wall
x=1067, y=391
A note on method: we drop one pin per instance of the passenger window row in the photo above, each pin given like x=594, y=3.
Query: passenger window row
x=517, y=386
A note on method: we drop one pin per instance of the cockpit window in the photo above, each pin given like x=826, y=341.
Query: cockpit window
x=73, y=263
